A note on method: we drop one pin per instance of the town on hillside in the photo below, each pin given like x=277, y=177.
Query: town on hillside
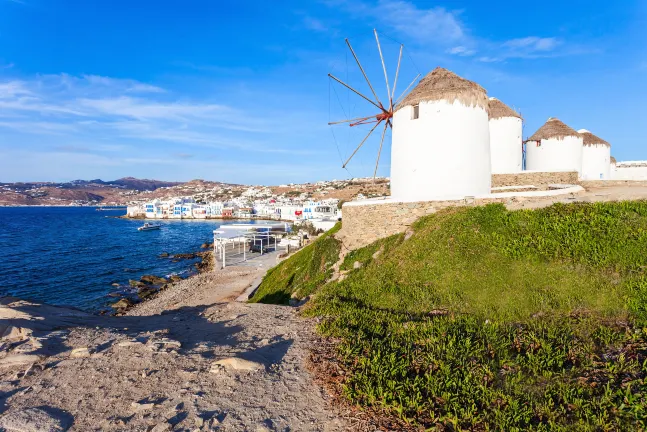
x=208, y=198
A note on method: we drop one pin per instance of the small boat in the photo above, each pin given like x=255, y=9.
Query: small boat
x=148, y=227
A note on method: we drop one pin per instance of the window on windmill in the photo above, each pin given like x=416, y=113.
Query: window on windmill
x=416, y=112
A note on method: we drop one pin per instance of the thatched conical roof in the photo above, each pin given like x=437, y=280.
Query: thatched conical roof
x=442, y=84
x=590, y=139
x=553, y=128
x=613, y=160
x=499, y=110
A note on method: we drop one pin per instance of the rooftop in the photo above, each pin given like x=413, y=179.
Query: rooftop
x=443, y=84
x=553, y=128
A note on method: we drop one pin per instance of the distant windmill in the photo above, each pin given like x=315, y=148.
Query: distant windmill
x=385, y=113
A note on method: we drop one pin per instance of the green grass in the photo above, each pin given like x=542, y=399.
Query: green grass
x=486, y=319
x=302, y=274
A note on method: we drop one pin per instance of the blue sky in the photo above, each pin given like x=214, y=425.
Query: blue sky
x=238, y=91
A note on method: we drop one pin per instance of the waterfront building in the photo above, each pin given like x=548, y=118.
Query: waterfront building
x=318, y=210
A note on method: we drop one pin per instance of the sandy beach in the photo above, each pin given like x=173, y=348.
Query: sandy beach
x=191, y=358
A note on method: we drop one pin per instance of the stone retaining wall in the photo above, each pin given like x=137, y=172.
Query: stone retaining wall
x=603, y=183
x=534, y=178
x=364, y=224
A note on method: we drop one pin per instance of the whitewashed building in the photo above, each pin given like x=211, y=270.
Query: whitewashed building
x=554, y=147
x=506, y=138
x=631, y=170
x=319, y=210
x=596, y=157
x=441, y=140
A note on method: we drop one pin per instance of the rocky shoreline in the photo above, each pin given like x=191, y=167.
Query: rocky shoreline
x=187, y=358
x=149, y=286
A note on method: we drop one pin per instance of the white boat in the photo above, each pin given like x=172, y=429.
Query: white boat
x=148, y=227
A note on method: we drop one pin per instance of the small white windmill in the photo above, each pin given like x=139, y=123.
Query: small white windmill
x=385, y=114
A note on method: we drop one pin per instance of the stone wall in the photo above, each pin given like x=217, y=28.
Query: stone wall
x=534, y=178
x=607, y=183
x=364, y=224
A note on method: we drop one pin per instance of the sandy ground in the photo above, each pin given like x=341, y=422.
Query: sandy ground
x=591, y=194
x=188, y=360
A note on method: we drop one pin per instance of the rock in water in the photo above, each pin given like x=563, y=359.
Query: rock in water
x=153, y=280
x=145, y=292
x=184, y=256
x=176, y=278
x=33, y=420
x=124, y=303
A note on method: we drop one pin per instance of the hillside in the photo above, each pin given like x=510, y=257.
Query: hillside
x=129, y=190
x=485, y=319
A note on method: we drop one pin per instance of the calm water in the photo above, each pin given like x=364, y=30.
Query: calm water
x=72, y=256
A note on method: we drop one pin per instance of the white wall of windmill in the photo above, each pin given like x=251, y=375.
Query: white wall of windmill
x=505, y=145
x=555, y=154
x=443, y=154
x=596, y=163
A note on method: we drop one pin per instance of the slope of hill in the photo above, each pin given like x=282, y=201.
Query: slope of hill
x=130, y=190
x=142, y=184
x=485, y=319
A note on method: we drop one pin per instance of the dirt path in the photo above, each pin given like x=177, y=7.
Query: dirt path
x=179, y=362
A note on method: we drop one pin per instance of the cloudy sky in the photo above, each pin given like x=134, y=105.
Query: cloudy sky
x=238, y=91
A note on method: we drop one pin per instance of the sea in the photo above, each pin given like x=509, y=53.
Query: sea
x=72, y=256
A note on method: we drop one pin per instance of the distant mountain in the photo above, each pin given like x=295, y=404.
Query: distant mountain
x=142, y=184
x=124, y=183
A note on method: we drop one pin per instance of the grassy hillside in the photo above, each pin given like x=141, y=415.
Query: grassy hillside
x=302, y=274
x=486, y=319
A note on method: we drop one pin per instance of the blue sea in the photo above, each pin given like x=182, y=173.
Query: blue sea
x=73, y=255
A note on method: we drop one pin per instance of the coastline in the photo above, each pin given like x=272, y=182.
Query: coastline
x=188, y=358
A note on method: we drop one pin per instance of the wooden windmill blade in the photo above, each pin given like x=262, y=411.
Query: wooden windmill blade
x=386, y=112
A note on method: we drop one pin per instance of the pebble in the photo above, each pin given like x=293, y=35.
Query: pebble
x=139, y=406
x=32, y=420
x=20, y=359
x=13, y=333
x=130, y=343
x=161, y=427
x=81, y=352
x=236, y=363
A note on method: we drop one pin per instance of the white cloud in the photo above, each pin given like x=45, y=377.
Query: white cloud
x=12, y=89
x=461, y=51
x=435, y=25
x=101, y=108
x=533, y=43
x=531, y=47
x=126, y=85
x=314, y=24
x=422, y=25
